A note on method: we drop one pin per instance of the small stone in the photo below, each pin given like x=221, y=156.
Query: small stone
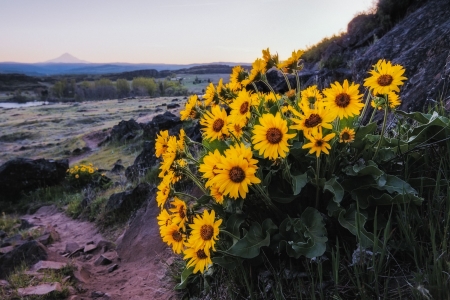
x=113, y=268
x=102, y=261
x=44, y=239
x=48, y=265
x=2, y=234
x=7, y=249
x=71, y=247
x=39, y=290
x=89, y=247
x=65, y=279
x=88, y=257
x=97, y=294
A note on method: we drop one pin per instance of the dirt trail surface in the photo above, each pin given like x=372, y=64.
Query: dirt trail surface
x=92, y=141
x=143, y=277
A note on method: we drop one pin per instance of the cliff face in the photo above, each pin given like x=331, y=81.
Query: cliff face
x=420, y=43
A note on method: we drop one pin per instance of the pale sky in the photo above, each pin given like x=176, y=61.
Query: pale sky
x=171, y=31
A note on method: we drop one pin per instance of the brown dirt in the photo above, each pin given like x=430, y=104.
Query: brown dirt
x=91, y=140
x=143, y=277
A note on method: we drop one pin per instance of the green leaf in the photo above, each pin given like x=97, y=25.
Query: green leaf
x=227, y=262
x=215, y=144
x=184, y=278
x=298, y=182
x=204, y=199
x=249, y=246
x=335, y=188
x=233, y=224
x=305, y=235
x=361, y=133
x=354, y=221
x=269, y=226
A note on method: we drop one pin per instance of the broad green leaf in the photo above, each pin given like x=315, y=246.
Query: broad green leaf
x=361, y=133
x=250, y=245
x=335, y=188
x=298, y=182
x=227, y=262
x=184, y=278
x=204, y=199
x=233, y=224
x=269, y=226
x=215, y=144
x=354, y=221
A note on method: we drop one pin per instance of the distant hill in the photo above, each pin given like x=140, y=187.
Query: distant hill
x=67, y=58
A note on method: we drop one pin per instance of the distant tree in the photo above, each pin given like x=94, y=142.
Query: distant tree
x=161, y=88
x=123, y=88
x=144, y=86
x=105, y=89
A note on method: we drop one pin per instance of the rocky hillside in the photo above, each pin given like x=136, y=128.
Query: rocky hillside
x=419, y=40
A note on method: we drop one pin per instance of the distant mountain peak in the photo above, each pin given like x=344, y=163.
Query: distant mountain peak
x=67, y=58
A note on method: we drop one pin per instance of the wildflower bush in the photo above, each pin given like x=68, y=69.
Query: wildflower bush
x=82, y=175
x=284, y=175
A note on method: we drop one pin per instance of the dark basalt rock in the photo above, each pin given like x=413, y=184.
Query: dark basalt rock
x=120, y=130
x=128, y=200
x=172, y=105
x=22, y=174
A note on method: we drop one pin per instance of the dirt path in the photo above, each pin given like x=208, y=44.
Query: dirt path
x=91, y=140
x=142, y=279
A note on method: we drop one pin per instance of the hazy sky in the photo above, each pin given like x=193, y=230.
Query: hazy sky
x=171, y=31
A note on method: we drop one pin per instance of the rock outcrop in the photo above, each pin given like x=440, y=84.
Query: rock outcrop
x=22, y=174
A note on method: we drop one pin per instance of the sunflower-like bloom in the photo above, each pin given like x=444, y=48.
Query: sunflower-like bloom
x=240, y=150
x=313, y=119
x=240, y=108
x=258, y=68
x=271, y=137
x=163, y=191
x=269, y=98
x=347, y=135
x=173, y=237
x=318, y=143
x=235, y=174
x=271, y=60
x=179, y=212
x=216, y=194
x=344, y=100
x=205, y=231
x=189, y=111
x=238, y=75
x=292, y=63
x=209, y=167
x=212, y=93
x=181, y=140
x=161, y=142
x=197, y=258
x=215, y=123
x=236, y=130
x=169, y=156
x=385, y=77
x=311, y=97
x=380, y=101
x=164, y=219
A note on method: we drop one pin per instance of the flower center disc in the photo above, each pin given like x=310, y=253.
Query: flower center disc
x=181, y=212
x=218, y=124
x=176, y=235
x=274, y=135
x=342, y=100
x=345, y=136
x=237, y=175
x=201, y=254
x=206, y=232
x=319, y=143
x=313, y=120
x=244, y=108
x=385, y=80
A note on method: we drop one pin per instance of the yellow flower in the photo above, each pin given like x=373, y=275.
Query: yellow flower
x=168, y=156
x=271, y=137
x=77, y=176
x=237, y=76
x=216, y=194
x=385, y=77
x=209, y=166
x=179, y=212
x=234, y=176
x=313, y=119
x=271, y=60
x=197, y=258
x=380, y=101
x=161, y=142
x=181, y=140
x=347, y=135
x=164, y=218
x=258, y=68
x=205, y=231
x=173, y=237
x=83, y=169
x=215, y=123
x=292, y=63
x=344, y=100
x=240, y=150
x=163, y=191
x=311, y=96
x=240, y=108
x=318, y=143
x=91, y=170
x=212, y=94
x=189, y=111
x=236, y=130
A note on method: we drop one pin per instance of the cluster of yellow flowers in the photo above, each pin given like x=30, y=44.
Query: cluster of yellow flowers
x=252, y=123
x=79, y=170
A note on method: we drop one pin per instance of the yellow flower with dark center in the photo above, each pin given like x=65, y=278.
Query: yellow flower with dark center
x=385, y=77
x=344, y=100
x=241, y=150
x=234, y=176
x=181, y=140
x=91, y=171
x=311, y=96
x=199, y=259
x=238, y=75
x=163, y=191
x=205, y=231
x=83, y=169
x=292, y=63
x=179, y=212
x=313, y=119
x=216, y=194
x=270, y=98
x=164, y=219
x=258, y=68
x=235, y=129
x=271, y=136
x=318, y=143
x=381, y=100
x=189, y=111
x=346, y=135
x=209, y=167
x=240, y=108
x=215, y=123
x=173, y=237
x=161, y=142
x=271, y=60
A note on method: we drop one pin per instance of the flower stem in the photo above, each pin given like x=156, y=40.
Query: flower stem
x=366, y=105
x=317, y=181
x=382, y=130
x=185, y=195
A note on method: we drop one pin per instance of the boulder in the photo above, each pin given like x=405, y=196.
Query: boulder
x=128, y=200
x=40, y=290
x=124, y=128
x=117, y=168
x=172, y=105
x=29, y=252
x=22, y=174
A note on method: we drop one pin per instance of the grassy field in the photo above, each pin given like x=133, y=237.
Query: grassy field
x=188, y=81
